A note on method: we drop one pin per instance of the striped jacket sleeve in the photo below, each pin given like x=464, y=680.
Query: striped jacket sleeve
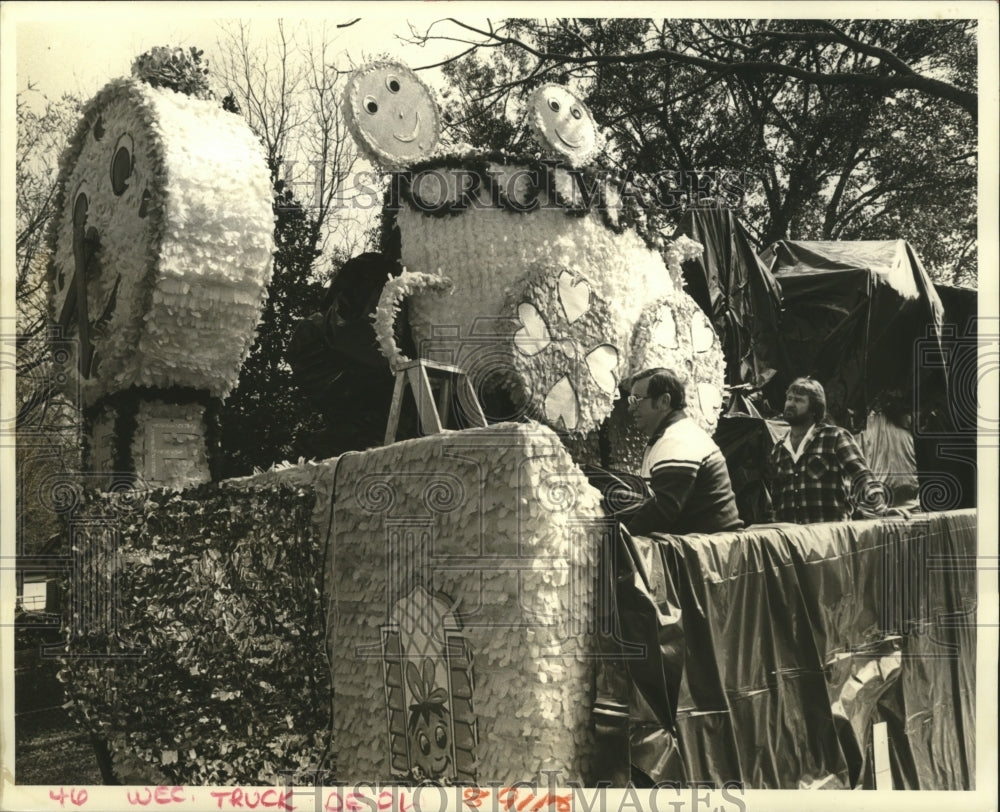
x=672, y=481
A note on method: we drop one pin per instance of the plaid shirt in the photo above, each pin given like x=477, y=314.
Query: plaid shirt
x=827, y=482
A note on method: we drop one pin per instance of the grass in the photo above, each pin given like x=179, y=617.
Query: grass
x=50, y=749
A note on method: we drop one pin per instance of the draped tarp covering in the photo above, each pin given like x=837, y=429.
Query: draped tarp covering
x=771, y=652
x=945, y=440
x=736, y=291
x=859, y=317
x=746, y=442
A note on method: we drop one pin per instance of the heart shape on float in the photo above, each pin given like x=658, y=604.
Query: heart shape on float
x=710, y=399
x=561, y=403
x=602, y=362
x=701, y=334
x=665, y=331
x=574, y=296
x=534, y=336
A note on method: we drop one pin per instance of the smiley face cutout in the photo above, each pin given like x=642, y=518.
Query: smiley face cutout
x=563, y=124
x=391, y=114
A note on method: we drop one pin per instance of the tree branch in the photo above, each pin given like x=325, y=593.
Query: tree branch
x=882, y=84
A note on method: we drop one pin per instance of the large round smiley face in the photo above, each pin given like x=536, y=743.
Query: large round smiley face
x=563, y=123
x=391, y=114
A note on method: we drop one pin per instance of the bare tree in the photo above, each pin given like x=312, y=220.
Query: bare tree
x=43, y=127
x=285, y=88
x=47, y=423
x=750, y=55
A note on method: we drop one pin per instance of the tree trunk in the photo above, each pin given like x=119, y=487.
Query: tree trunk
x=104, y=761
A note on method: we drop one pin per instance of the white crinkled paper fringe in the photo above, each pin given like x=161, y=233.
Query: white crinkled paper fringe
x=396, y=289
x=194, y=271
x=489, y=252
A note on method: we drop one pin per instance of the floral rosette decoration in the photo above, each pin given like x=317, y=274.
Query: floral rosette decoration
x=564, y=351
x=162, y=242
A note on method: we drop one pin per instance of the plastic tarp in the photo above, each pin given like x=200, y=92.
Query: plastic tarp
x=889, y=452
x=765, y=657
x=945, y=438
x=736, y=292
x=858, y=317
x=746, y=442
x=961, y=306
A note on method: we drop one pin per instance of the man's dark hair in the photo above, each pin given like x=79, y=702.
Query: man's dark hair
x=814, y=391
x=663, y=382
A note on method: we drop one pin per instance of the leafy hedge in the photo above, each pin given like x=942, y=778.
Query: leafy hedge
x=219, y=602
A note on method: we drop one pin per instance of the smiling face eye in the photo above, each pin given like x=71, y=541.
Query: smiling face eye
x=80, y=210
x=392, y=83
x=440, y=737
x=424, y=743
x=122, y=164
x=371, y=105
x=575, y=112
x=553, y=105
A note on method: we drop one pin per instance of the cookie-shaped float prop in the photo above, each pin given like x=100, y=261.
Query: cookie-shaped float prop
x=391, y=114
x=160, y=256
x=564, y=125
x=554, y=299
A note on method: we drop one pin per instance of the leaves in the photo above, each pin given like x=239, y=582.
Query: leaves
x=845, y=130
x=174, y=68
x=234, y=677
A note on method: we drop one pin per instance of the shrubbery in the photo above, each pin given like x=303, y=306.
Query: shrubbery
x=178, y=69
x=221, y=675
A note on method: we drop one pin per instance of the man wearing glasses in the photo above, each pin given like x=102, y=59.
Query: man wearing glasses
x=683, y=467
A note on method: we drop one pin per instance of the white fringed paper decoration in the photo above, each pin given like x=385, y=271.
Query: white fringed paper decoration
x=517, y=272
x=190, y=240
x=513, y=537
x=396, y=289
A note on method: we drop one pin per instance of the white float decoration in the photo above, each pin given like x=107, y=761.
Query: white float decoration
x=556, y=297
x=178, y=193
x=579, y=298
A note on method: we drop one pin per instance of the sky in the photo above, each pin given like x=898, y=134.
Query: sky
x=79, y=47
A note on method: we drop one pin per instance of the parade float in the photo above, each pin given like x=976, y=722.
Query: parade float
x=532, y=273
x=456, y=607
x=160, y=255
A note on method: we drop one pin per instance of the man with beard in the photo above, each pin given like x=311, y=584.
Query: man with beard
x=818, y=473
